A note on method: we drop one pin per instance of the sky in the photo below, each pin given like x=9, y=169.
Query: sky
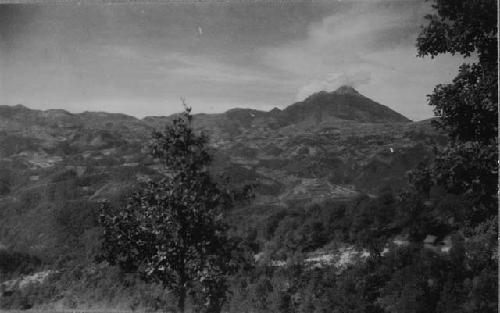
x=142, y=58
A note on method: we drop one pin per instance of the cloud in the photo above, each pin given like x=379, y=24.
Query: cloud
x=333, y=81
x=346, y=39
x=208, y=69
x=370, y=45
x=133, y=62
x=184, y=66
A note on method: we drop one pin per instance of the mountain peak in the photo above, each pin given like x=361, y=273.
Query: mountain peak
x=345, y=103
x=346, y=90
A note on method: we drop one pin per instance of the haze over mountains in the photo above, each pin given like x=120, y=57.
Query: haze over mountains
x=332, y=145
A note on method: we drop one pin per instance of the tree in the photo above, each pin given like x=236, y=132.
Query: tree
x=172, y=231
x=467, y=109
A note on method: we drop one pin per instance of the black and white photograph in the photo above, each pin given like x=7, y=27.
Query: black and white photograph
x=249, y=156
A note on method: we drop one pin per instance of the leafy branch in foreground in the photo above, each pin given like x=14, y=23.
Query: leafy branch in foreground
x=172, y=231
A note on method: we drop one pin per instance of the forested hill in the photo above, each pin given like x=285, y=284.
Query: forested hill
x=55, y=166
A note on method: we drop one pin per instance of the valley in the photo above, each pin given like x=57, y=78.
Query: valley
x=332, y=148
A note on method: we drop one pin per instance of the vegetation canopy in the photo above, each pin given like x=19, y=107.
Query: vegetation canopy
x=172, y=231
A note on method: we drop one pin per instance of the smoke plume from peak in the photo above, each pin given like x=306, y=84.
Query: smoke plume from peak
x=332, y=82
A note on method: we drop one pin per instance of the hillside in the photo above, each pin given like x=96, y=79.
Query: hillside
x=56, y=166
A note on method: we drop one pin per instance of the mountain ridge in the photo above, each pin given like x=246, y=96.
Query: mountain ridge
x=54, y=162
x=321, y=99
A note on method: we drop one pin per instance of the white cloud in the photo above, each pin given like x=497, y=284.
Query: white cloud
x=207, y=69
x=181, y=66
x=341, y=41
x=333, y=81
x=370, y=46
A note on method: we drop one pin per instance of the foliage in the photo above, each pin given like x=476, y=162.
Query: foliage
x=14, y=263
x=172, y=231
x=466, y=108
x=463, y=27
x=95, y=286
